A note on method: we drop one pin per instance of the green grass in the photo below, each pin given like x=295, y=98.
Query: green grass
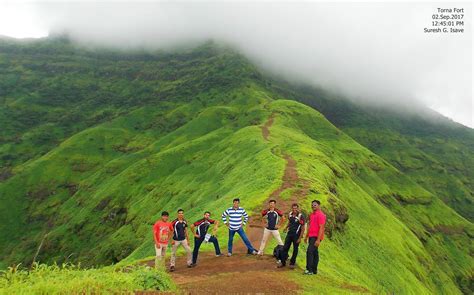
x=165, y=131
x=68, y=278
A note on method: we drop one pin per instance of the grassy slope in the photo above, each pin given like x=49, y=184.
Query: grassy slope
x=435, y=152
x=97, y=193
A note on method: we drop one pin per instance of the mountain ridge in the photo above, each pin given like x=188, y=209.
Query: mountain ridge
x=186, y=131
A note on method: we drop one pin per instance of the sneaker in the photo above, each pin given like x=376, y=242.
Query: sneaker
x=219, y=255
x=279, y=264
x=292, y=266
x=307, y=272
x=259, y=253
x=229, y=254
x=254, y=252
x=192, y=265
x=171, y=268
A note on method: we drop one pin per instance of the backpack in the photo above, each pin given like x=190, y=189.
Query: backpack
x=278, y=252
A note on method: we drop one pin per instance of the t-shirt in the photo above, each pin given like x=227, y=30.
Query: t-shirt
x=237, y=217
x=295, y=223
x=272, y=216
x=316, y=219
x=162, y=230
x=202, y=225
x=179, y=229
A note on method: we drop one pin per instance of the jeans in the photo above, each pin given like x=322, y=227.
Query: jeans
x=197, y=245
x=312, y=256
x=242, y=234
x=290, y=239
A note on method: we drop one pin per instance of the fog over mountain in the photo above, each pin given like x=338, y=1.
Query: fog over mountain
x=373, y=52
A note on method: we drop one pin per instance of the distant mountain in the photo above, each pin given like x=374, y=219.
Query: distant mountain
x=95, y=144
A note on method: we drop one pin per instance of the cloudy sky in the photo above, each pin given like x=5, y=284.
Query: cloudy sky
x=376, y=52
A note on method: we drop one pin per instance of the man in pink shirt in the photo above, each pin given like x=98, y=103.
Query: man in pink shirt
x=315, y=233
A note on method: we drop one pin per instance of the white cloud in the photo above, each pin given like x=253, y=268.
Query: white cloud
x=19, y=21
x=369, y=51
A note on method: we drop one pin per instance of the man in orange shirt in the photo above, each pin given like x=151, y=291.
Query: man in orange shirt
x=161, y=233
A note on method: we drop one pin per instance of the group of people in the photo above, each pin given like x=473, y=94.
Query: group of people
x=235, y=218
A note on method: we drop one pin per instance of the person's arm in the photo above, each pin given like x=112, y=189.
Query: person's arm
x=193, y=230
x=282, y=218
x=172, y=230
x=246, y=217
x=264, y=213
x=320, y=235
x=287, y=227
x=303, y=227
x=186, y=233
x=322, y=223
x=224, y=217
x=307, y=232
x=156, y=235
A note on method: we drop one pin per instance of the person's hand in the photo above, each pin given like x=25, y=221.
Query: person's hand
x=318, y=241
x=306, y=240
x=298, y=241
x=277, y=226
x=172, y=242
x=197, y=236
x=227, y=224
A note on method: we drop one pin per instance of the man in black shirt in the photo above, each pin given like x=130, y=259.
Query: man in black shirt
x=180, y=237
x=295, y=229
x=199, y=229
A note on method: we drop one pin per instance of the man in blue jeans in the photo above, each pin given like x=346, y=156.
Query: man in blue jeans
x=235, y=218
x=200, y=229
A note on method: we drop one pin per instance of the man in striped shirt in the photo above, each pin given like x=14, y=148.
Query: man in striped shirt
x=235, y=218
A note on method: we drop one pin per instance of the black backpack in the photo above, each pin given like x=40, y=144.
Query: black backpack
x=278, y=252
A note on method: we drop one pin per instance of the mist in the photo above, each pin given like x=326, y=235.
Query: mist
x=370, y=52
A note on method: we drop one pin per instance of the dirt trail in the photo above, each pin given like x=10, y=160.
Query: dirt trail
x=242, y=273
x=266, y=126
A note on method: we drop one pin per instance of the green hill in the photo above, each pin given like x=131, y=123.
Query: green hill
x=95, y=144
x=435, y=152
